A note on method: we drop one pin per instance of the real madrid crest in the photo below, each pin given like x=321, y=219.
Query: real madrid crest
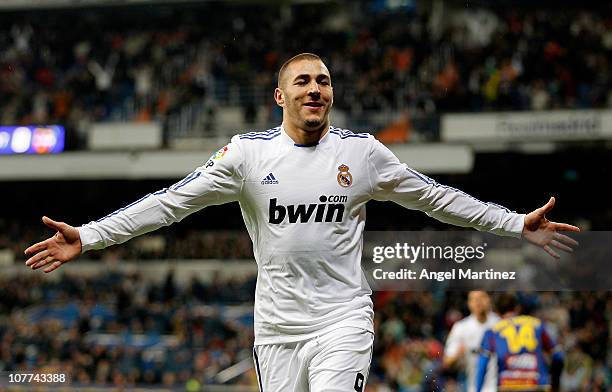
x=345, y=179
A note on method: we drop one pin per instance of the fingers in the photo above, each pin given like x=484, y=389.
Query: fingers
x=561, y=246
x=51, y=223
x=565, y=239
x=57, y=226
x=551, y=252
x=43, y=262
x=37, y=258
x=548, y=206
x=53, y=267
x=565, y=227
x=36, y=247
x=43, y=244
x=43, y=259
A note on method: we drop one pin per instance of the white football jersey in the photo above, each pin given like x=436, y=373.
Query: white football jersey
x=468, y=332
x=304, y=209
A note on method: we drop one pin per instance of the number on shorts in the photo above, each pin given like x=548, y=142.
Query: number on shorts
x=359, y=382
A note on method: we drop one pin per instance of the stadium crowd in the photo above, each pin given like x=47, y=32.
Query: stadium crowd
x=163, y=334
x=147, y=63
x=88, y=327
x=193, y=244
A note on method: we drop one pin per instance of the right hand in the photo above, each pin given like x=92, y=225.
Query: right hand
x=541, y=232
x=455, y=360
x=63, y=247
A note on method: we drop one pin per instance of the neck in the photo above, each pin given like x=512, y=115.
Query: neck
x=303, y=136
x=481, y=317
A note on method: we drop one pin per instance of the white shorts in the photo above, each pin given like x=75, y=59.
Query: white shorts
x=335, y=361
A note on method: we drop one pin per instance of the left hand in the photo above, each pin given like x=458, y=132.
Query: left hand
x=63, y=247
x=540, y=231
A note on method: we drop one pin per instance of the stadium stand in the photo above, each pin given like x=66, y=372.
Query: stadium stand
x=182, y=64
x=118, y=329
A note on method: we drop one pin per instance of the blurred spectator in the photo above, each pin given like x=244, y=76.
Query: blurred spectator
x=132, y=63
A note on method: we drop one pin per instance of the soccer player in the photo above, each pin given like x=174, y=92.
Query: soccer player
x=302, y=188
x=463, y=342
x=519, y=343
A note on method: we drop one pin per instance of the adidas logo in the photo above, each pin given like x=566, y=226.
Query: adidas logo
x=269, y=179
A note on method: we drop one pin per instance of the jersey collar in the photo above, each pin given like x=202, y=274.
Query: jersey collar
x=287, y=139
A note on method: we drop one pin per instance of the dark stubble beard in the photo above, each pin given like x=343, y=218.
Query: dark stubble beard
x=313, y=124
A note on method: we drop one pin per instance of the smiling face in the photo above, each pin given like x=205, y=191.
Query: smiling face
x=305, y=94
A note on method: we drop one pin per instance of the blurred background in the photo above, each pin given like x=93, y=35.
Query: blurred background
x=102, y=102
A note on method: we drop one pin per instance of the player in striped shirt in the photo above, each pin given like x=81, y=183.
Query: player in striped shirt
x=463, y=341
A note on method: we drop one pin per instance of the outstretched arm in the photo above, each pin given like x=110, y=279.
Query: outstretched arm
x=540, y=231
x=63, y=247
x=393, y=180
x=218, y=181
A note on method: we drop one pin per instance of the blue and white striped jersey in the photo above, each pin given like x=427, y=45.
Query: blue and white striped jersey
x=304, y=209
x=468, y=333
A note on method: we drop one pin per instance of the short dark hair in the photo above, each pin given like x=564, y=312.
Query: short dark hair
x=505, y=303
x=298, y=57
